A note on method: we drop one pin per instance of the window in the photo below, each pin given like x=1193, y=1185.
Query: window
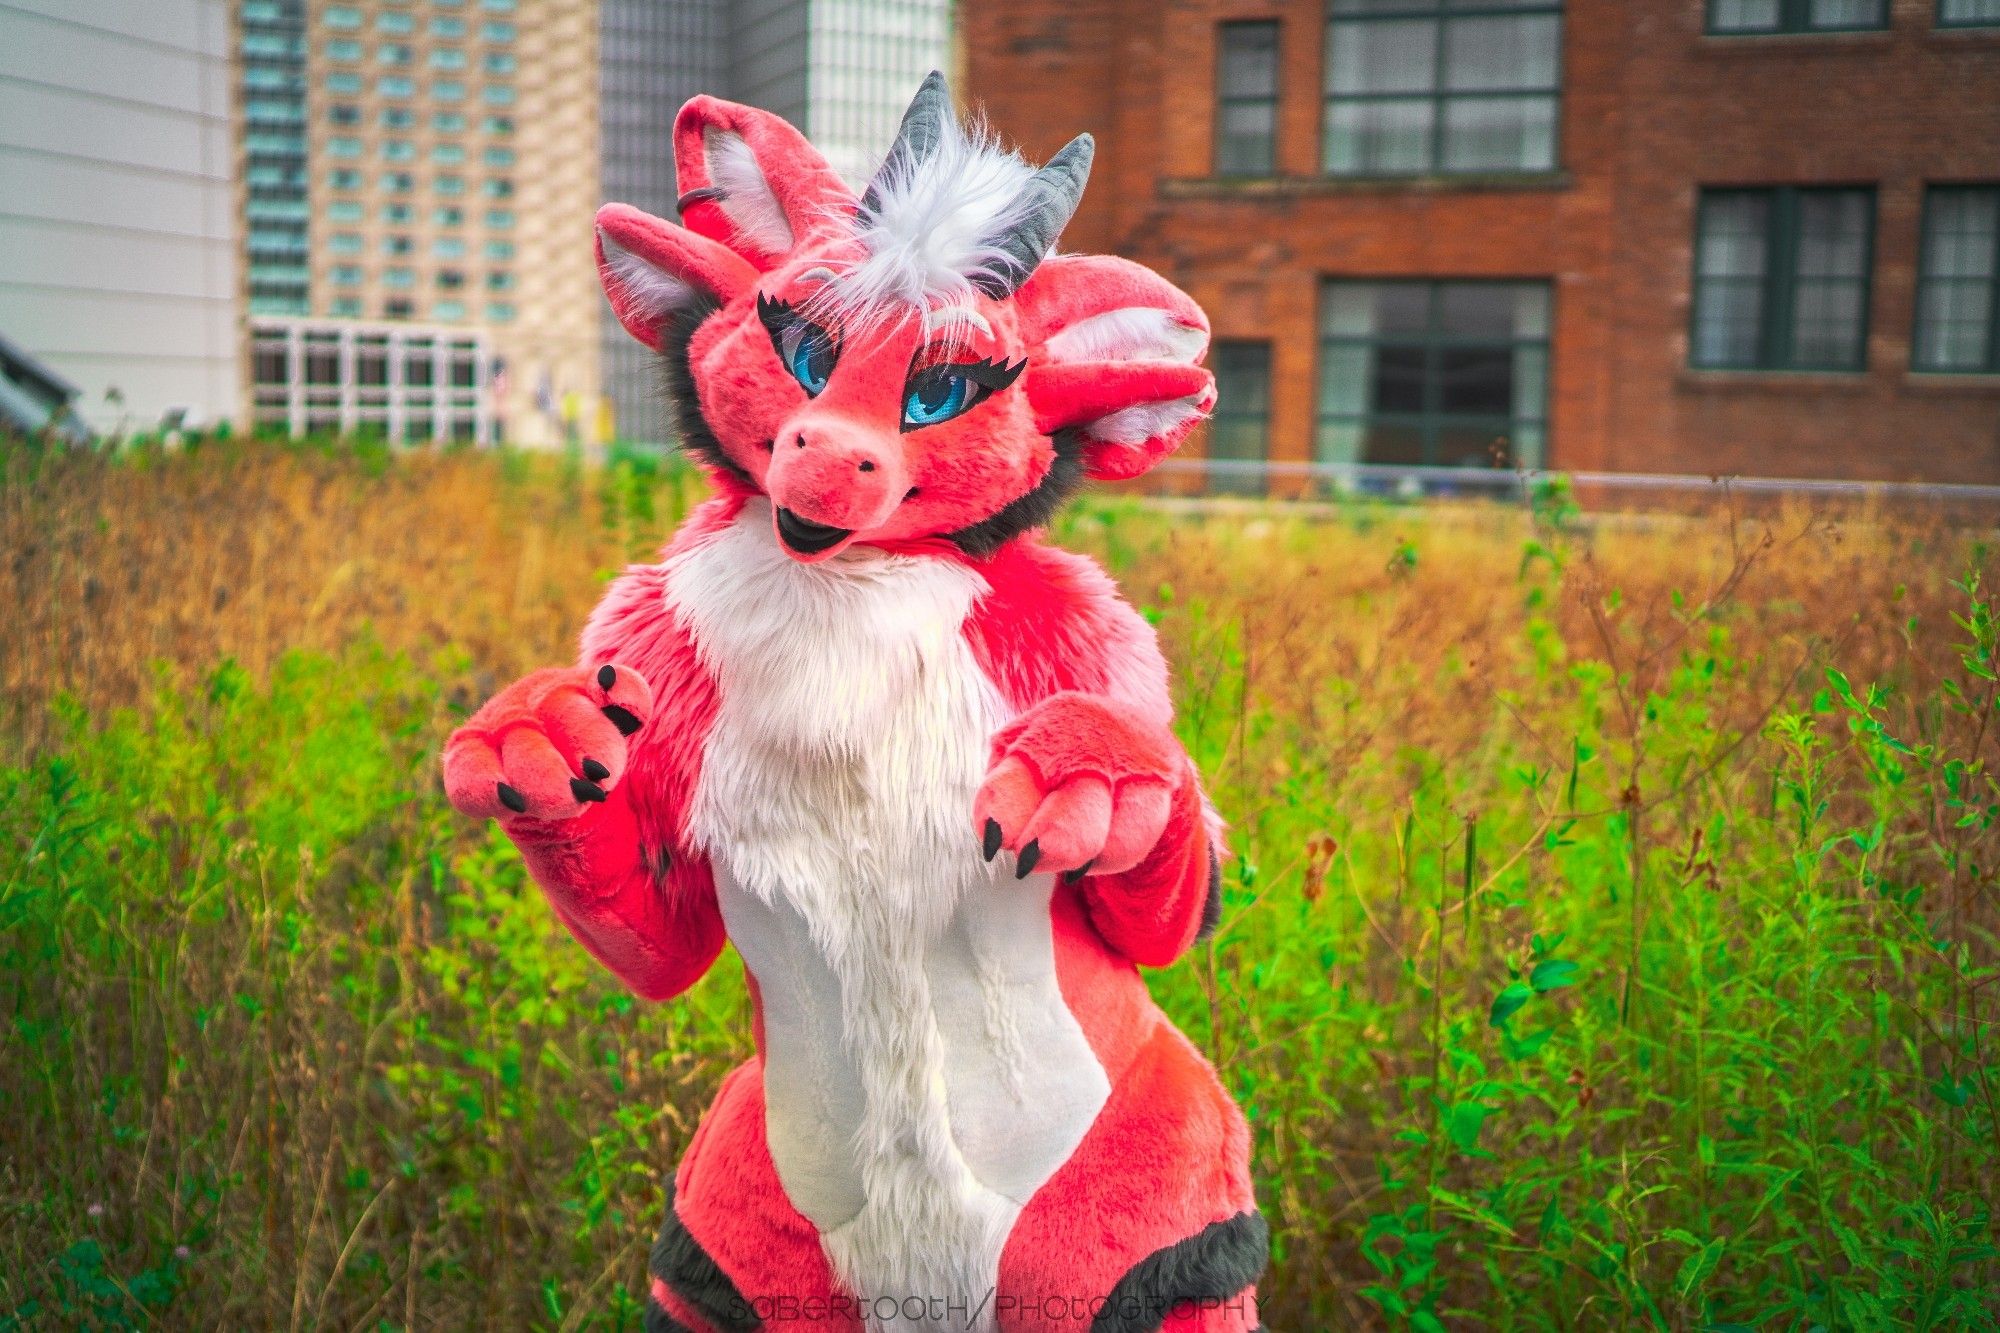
x=398, y=150
x=1435, y=373
x=396, y=214
x=398, y=118
x=343, y=146
x=393, y=53
x=1967, y=13
x=341, y=82
x=1418, y=87
x=448, y=154
x=450, y=279
x=1781, y=279
x=1239, y=429
x=448, y=310
x=396, y=25
x=344, y=178
x=448, y=247
x=498, y=188
x=447, y=57
x=499, y=219
x=498, y=157
x=497, y=125
x=1246, y=99
x=397, y=245
x=397, y=307
x=497, y=32
x=345, y=17
x=343, y=210
x=448, y=90
x=399, y=277
x=449, y=183
x=395, y=85
x=448, y=122
x=448, y=29
x=499, y=282
x=502, y=250
x=449, y=217
x=499, y=62
x=345, y=307
x=498, y=6
x=498, y=94
x=398, y=182
x=1743, y=17
x=344, y=243
x=343, y=113
x=346, y=275
x=1958, y=281
x=343, y=49
x=499, y=312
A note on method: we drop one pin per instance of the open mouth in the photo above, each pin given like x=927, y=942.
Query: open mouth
x=807, y=537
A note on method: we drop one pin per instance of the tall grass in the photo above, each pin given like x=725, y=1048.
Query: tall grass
x=1610, y=940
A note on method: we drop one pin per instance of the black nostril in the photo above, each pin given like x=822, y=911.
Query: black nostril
x=910, y=494
x=867, y=466
x=770, y=445
x=801, y=441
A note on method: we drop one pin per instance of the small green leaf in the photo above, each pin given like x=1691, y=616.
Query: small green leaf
x=1509, y=1001
x=1552, y=974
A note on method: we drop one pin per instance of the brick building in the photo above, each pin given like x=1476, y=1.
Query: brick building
x=1754, y=237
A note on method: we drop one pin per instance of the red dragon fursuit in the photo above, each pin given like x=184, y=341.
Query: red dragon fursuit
x=915, y=764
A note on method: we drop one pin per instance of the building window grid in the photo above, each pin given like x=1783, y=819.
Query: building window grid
x=1246, y=98
x=1760, y=18
x=409, y=385
x=1440, y=98
x=1767, y=295
x=1441, y=360
x=1958, y=282
x=1239, y=428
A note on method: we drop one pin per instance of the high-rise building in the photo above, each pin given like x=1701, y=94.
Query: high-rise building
x=423, y=172
x=1752, y=237
x=841, y=70
x=118, y=253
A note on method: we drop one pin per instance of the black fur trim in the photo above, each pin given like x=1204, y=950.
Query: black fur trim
x=677, y=330
x=657, y=1320
x=679, y=1261
x=1033, y=510
x=1211, y=906
x=1214, y=1264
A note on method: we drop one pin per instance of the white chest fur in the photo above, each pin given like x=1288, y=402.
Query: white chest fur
x=922, y=1074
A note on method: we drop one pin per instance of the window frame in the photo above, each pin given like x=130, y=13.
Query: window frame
x=1991, y=367
x=1778, y=286
x=1223, y=102
x=1229, y=483
x=1794, y=20
x=1438, y=96
x=1430, y=418
x=1939, y=21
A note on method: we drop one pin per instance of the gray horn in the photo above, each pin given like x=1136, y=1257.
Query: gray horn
x=1040, y=212
x=1042, y=209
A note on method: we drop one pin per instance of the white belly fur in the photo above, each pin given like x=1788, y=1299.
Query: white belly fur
x=922, y=1075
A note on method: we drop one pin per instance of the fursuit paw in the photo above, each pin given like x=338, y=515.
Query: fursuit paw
x=1078, y=784
x=548, y=746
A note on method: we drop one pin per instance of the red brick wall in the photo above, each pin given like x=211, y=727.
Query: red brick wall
x=1651, y=110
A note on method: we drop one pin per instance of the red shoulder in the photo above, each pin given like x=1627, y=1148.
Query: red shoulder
x=1053, y=620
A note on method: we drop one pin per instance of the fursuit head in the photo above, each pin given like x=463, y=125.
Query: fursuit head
x=915, y=764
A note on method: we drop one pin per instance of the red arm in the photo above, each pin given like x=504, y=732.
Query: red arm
x=591, y=774
x=1090, y=773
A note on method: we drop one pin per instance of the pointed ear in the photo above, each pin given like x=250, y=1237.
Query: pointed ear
x=751, y=181
x=653, y=270
x=1113, y=352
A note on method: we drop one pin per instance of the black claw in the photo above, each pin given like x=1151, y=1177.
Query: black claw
x=1024, y=864
x=607, y=676
x=512, y=799
x=585, y=791
x=989, y=846
x=1073, y=876
x=622, y=718
x=595, y=771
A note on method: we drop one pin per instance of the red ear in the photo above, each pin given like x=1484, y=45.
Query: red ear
x=1114, y=350
x=751, y=181
x=651, y=269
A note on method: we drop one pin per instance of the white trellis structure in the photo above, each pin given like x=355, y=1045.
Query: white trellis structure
x=408, y=383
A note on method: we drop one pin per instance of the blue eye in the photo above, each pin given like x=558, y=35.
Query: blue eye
x=933, y=398
x=810, y=358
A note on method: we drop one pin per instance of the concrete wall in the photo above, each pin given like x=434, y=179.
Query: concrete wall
x=118, y=262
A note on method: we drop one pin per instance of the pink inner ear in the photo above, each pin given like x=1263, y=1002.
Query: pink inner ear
x=657, y=267
x=751, y=182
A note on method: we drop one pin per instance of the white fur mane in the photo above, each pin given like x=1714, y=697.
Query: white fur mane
x=927, y=232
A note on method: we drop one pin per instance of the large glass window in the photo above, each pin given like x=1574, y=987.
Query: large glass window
x=1451, y=374
x=1958, y=283
x=1749, y=17
x=1246, y=99
x=1967, y=13
x=1416, y=87
x=1239, y=431
x=1781, y=279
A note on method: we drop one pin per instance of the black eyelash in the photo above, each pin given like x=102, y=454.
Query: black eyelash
x=780, y=317
x=987, y=372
